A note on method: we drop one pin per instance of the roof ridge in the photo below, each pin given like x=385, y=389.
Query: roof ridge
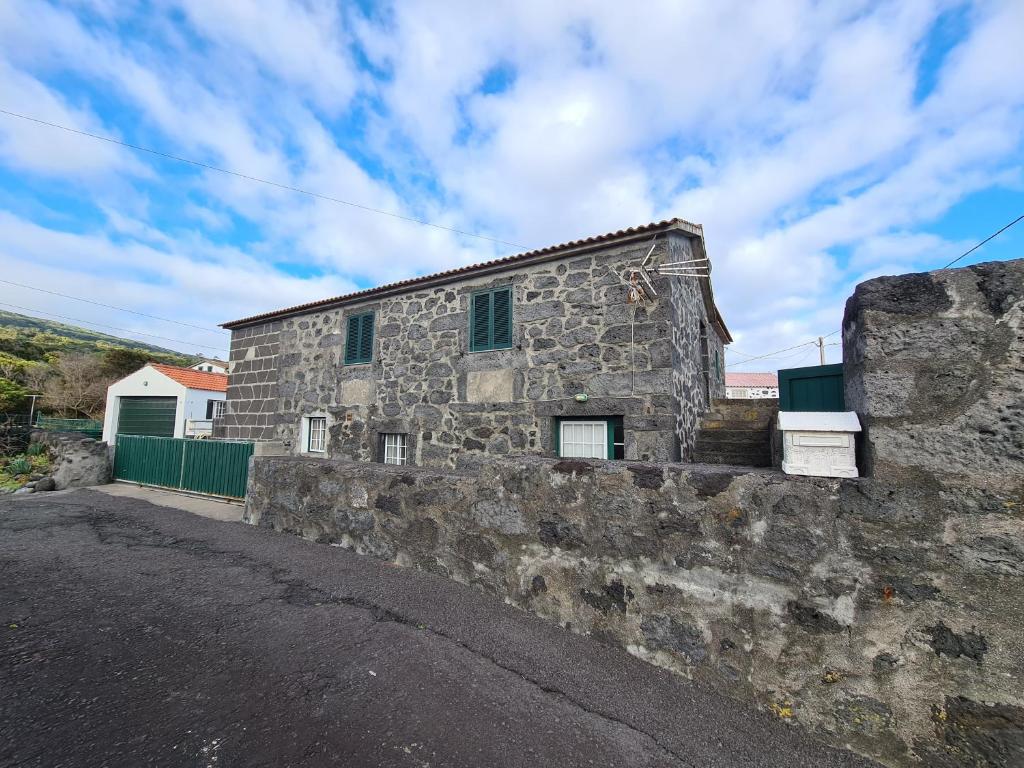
x=665, y=224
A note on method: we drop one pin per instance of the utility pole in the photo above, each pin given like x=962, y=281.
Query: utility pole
x=821, y=349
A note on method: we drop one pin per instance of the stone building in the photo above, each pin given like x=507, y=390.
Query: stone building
x=540, y=353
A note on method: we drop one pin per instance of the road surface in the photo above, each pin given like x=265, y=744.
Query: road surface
x=140, y=635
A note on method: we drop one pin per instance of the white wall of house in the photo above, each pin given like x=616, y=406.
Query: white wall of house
x=210, y=367
x=752, y=393
x=195, y=402
x=145, y=382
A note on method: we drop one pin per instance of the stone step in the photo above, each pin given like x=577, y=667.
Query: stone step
x=761, y=402
x=732, y=437
x=711, y=424
x=734, y=458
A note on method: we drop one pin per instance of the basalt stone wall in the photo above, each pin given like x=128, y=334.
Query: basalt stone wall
x=935, y=367
x=698, y=368
x=573, y=332
x=252, y=407
x=77, y=461
x=881, y=615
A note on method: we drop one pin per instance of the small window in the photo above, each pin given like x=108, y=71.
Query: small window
x=490, y=320
x=359, y=339
x=215, y=408
x=594, y=438
x=585, y=439
x=317, y=437
x=395, y=449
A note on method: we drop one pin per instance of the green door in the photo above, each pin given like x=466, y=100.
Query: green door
x=816, y=388
x=153, y=416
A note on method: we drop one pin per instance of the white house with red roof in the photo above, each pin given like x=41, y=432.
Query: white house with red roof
x=751, y=386
x=164, y=401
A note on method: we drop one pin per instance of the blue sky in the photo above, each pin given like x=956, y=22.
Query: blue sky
x=818, y=143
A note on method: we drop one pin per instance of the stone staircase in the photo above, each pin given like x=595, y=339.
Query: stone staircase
x=736, y=432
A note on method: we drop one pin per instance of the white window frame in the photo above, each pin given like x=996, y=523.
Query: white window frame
x=395, y=447
x=220, y=407
x=315, y=437
x=602, y=427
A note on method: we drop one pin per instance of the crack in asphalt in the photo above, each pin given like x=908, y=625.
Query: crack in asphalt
x=299, y=592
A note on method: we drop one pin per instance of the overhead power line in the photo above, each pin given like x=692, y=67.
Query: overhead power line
x=772, y=354
x=990, y=237
x=110, y=306
x=248, y=177
x=110, y=327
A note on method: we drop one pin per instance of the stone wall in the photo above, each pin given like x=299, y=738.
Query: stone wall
x=844, y=605
x=252, y=409
x=77, y=461
x=696, y=380
x=573, y=332
x=933, y=366
x=885, y=612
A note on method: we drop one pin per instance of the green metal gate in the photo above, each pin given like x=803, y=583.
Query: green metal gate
x=217, y=467
x=815, y=388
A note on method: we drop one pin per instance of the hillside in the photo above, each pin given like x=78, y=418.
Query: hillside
x=32, y=339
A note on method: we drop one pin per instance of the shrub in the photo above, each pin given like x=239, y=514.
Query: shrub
x=19, y=466
x=36, y=449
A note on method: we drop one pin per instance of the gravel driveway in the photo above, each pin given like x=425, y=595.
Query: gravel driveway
x=138, y=635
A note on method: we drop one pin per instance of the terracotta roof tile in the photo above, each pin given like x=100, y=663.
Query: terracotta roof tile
x=742, y=379
x=654, y=226
x=211, y=382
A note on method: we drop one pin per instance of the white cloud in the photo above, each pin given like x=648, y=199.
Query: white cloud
x=790, y=130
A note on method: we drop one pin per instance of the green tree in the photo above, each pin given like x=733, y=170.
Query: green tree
x=118, y=363
x=13, y=397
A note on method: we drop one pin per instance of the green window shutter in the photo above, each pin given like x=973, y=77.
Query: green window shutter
x=501, y=312
x=490, y=320
x=366, y=338
x=359, y=339
x=480, y=322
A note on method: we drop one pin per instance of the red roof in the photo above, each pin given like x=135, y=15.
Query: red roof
x=211, y=382
x=740, y=379
x=488, y=266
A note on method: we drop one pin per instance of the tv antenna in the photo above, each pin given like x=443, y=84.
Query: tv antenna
x=640, y=280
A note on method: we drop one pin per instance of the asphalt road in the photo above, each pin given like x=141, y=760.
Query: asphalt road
x=137, y=635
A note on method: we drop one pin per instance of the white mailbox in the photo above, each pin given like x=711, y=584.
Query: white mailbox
x=819, y=443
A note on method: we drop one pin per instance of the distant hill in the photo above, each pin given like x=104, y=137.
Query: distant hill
x=32, y=339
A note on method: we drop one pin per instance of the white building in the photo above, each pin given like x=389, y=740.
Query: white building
x=210, y=365
x=164, y=401
x=752, y=386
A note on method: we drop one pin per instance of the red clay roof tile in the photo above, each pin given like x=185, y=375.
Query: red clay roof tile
x=211, y=382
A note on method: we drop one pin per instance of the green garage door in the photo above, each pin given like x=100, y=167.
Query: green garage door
x=152, y=416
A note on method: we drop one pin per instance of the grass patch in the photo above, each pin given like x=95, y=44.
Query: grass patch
x=16, y=470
